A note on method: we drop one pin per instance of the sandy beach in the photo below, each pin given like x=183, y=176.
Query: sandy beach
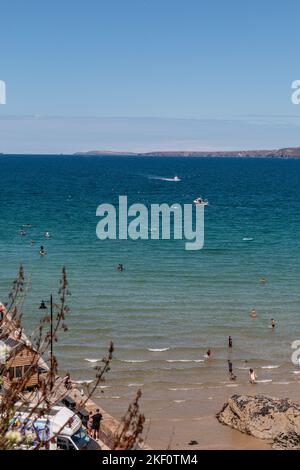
x=194, y=420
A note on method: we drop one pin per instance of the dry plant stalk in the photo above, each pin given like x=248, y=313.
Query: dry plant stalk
x=131, y=428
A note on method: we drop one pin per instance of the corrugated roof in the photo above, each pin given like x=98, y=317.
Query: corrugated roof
x=11, y=342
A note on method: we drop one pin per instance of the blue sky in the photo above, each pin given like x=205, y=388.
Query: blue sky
x=88, y=74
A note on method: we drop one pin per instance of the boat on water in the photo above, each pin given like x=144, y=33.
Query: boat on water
x=200, y=201
x=176, y=178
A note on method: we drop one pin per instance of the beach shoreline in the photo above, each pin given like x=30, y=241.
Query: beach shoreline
x=175, y=426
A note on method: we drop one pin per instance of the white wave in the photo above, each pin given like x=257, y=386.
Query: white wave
x=183, y=389
x=264, y=381
x=134, y=360
x=135, y=385
x=185, y=360
x=232, y=385
x=296, y=371
x=179, y=401
x=158, y=350
x=104, y=386
x=243, y=368
x=247, y=239
x=281, y=383
x=92, y=360
x=269, y=367
x=83, y=381
x=109, y=398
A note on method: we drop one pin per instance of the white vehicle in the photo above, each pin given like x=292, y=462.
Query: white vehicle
x=61, y=429
x=200, y=201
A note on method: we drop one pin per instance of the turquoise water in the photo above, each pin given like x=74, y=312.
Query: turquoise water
x=167, y=298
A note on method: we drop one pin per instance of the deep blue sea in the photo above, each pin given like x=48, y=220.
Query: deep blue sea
x=175, y=301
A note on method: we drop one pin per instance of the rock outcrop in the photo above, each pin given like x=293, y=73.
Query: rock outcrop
x=277, y=420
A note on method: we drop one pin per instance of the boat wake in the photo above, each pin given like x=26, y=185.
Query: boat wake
x=175, y=179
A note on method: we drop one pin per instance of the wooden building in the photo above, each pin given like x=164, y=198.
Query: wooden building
x=23, y=363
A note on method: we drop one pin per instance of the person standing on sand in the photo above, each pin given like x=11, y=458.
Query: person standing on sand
x=230, y=342
x=68, y=382
x=89, y=424
x=96, y=421
x=252, y=376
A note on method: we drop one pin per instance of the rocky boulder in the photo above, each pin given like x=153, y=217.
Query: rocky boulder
x=277, y=420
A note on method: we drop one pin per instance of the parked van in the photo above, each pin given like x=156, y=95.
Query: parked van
x=60, y=429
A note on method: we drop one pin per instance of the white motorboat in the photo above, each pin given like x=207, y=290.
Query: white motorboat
x=200, y=201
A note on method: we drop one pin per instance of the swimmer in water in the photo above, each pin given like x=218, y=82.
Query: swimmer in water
x=230, y=370
x=120, y=267
x=208, y=354
x=252, y=376
x=230, y=342
x=263, y=280
x=273, y=323
x=253, y=313
x=42, y=251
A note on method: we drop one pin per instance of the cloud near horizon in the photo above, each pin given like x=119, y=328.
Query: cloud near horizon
x=52, y=135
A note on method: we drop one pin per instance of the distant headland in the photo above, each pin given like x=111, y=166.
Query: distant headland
x=279, y=153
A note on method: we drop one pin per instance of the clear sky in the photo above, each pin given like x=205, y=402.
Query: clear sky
x=221, y=63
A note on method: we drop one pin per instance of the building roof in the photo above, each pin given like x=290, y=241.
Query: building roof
x=12, y=343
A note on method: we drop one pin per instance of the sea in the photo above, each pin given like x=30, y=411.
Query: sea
x=169, y=305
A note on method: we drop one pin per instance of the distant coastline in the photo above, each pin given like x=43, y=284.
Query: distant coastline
x=287, y=152
x=279, y=153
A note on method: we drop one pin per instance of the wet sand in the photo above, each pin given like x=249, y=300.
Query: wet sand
x=193, y=418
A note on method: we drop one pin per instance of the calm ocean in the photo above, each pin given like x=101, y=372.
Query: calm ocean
x=177, y=302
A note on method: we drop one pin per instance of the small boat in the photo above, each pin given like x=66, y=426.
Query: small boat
x=200, y=201
x=176, y=178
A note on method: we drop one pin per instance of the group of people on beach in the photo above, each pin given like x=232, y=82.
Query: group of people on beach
x=252, y=373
